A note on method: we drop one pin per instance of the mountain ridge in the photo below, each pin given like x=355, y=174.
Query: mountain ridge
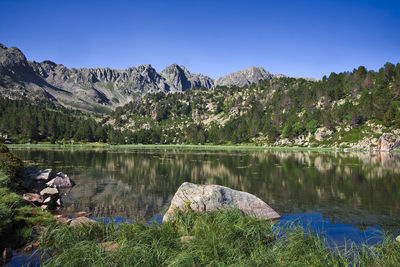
x=88, y=88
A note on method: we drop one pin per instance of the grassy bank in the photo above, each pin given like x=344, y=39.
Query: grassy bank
x=224, y=238
x=17, y=216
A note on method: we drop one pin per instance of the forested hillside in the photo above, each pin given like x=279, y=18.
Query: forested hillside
x=341, y=109
x=346, y=109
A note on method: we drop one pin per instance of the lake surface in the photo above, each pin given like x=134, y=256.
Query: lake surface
x=346, y=196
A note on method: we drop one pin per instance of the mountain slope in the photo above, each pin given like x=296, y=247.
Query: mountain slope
x=102, y=89
x=87, y=88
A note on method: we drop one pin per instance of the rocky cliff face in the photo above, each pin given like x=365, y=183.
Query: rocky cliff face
x=89, y=89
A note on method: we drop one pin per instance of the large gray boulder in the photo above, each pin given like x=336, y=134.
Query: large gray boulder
x=387, y=142
x=201, y=198
x=35, y=179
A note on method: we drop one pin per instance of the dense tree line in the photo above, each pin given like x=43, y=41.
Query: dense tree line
x=27, y=122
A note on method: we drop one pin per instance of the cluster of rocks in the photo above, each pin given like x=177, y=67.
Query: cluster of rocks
x=43, y=187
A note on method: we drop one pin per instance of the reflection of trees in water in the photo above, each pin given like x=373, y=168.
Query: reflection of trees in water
x=139, y=183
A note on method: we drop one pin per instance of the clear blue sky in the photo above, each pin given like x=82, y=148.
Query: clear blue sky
x=296, y=38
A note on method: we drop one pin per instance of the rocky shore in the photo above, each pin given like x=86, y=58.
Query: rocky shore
x=43, y=187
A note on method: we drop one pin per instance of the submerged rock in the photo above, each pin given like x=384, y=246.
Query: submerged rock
x=61, y=180
x=200, y=198
x=387, y=142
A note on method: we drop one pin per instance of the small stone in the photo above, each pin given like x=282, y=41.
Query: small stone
x=109, y=246
x=186, y=238
x=47, y=201
x=80, y=221
x=28, y=248
x=49, y=191
x=44, y=207
x=398, y=239
x=58, y=202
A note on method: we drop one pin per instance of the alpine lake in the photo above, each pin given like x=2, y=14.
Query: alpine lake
x=347, y=197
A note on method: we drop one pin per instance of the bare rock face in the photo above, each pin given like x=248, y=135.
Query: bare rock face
x=201, y=198
x=387, y=142
x=245, y=77
x=180, y=79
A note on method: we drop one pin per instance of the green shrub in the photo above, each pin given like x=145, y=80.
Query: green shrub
x=13, y=169
x=3, y=148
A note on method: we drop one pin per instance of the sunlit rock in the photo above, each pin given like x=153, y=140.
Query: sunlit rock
x=200, y=198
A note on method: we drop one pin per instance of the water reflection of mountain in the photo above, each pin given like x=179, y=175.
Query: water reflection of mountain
x=358, y=188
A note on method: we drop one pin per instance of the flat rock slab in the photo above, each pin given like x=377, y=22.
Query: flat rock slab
x=203, y=198
x=34, y=198
x=49, y=191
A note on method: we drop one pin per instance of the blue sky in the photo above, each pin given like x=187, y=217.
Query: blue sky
x=296, y=38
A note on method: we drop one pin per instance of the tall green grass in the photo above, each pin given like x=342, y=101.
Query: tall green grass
x=223, y=238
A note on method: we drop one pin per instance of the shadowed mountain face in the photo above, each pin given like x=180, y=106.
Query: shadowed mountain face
x=89, y=89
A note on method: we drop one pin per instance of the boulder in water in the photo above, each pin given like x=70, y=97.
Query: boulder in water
x=387, y=142
x=61, y=180
x=201, y=198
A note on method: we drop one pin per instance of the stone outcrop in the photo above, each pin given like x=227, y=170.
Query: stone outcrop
x=387, y=142
x=201, y=198
x=322, y=133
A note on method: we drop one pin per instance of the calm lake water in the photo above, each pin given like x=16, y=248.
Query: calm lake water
x=345, y=196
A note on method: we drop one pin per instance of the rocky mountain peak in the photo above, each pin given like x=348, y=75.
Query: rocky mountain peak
x=244, y=77
x=12, y=57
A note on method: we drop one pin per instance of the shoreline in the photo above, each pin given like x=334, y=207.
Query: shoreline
x=242, y=147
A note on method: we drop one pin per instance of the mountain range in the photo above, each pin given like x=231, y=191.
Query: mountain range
x=94, y=88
